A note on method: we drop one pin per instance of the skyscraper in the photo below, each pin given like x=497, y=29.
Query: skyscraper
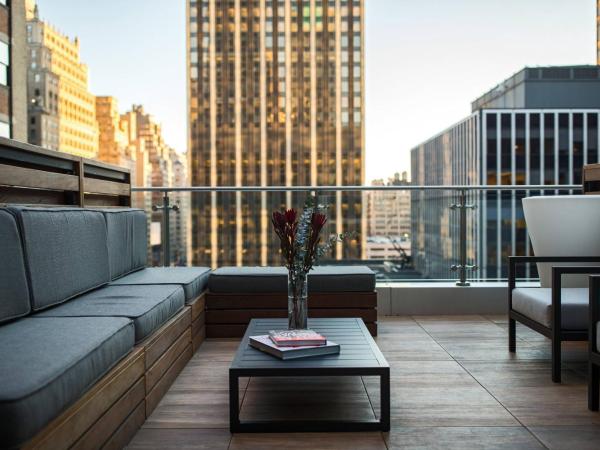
x=158, y=164
x=62, y=111
x=114, y=146
x=13, y=70
x=275, y=98
x=538, y=127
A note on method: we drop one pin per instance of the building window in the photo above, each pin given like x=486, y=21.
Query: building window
x=4, y=129
x=4, y=63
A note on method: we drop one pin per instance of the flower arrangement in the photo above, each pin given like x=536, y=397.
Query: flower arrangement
x=301, y=248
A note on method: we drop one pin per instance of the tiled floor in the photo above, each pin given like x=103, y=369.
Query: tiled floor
x=454, y=386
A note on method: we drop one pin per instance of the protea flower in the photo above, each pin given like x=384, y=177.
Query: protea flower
x=317, y=222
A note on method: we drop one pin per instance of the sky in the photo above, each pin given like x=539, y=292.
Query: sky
x=425, y=61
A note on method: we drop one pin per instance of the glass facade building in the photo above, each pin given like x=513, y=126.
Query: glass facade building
x=501, y=146
x=450, y=158
x=275, y=98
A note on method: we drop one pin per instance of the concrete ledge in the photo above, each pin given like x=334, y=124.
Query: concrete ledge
x=445, y=298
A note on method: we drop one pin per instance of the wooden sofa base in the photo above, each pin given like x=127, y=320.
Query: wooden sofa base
x=111, y=412
x=228, y=315
x=89, y=422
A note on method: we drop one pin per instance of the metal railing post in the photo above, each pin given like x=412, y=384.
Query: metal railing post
x=166, y=227
x=462, y=267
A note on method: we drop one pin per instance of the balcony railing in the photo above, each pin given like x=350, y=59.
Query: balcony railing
x=404, y=233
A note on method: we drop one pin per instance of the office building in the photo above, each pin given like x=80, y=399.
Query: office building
x=158, y=164
x=13, y=70
x=276, y=95
x=114, y=145
x=538, y=127
x=180, y=221
x=388, y=220
x=62, y=111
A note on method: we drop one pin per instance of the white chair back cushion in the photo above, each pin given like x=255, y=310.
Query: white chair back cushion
x=563, y=226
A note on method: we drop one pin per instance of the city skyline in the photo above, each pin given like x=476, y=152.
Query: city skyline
x=275, y=99
x=397, y=117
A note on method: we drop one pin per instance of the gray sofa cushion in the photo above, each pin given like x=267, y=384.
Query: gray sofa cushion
x=341, y=279
x=274, y=279
x=14, y=291
x=194, y=280
x=536, y=303
x=65, y=252
x=248, y=279
x=47, y=364
x=127, y=240
x=148, y=306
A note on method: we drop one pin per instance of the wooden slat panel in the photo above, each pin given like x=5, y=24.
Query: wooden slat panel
x=24, y=152
x=96, y=186
x=26, y=196
x=198, y=306
x=243, y=316
x=91, y=200
x=158, y=369
x=64, y=430
x=40, y=179
x=164, y=338
x=198, y=339
x=198, y=323
x=128, y=429
x=279, y=300
x=154, y=396
x=103, y=429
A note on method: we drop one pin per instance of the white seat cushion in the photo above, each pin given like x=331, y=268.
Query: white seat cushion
x=536, y=303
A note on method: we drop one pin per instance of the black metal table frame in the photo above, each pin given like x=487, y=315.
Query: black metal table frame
x=282, y=426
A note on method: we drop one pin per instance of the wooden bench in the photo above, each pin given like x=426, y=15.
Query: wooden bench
x=237, y=295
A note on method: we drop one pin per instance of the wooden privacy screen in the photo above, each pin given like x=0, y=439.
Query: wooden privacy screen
x=591, y=179
x=37, y=176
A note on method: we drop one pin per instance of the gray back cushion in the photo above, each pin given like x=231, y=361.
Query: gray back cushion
x=14, y=291
x=65, y=252
x=127, y=240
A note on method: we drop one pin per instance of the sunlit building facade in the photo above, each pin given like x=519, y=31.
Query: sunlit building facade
x=62, y=111
x=276, y=97
x=538, y=127
x=114, y=146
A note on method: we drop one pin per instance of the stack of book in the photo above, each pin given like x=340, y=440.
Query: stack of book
x=292, y=344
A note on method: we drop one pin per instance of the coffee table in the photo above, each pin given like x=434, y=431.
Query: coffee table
x=359, y=356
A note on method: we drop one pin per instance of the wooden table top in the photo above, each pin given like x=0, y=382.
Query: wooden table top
x=358, y=351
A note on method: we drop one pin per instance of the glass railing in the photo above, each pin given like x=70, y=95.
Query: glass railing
x=404, y=233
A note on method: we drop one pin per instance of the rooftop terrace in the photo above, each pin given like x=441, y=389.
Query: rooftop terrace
x=453, y=385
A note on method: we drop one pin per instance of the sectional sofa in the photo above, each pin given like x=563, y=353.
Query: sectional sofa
x=90, y=339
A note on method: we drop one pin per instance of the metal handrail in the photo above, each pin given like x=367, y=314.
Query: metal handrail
x=461, y=206
x=511, y=187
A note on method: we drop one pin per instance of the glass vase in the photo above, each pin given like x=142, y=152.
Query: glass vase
x=297, y=302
